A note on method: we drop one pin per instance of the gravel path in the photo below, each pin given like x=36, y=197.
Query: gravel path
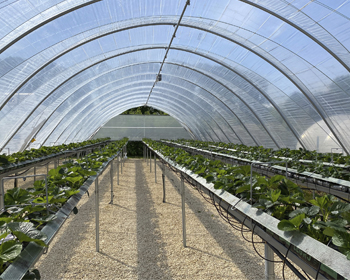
x=141, y=237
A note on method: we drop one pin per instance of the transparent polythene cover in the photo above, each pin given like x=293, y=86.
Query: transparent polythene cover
x=258, y=72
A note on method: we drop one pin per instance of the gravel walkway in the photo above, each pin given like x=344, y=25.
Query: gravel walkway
x=141, y=237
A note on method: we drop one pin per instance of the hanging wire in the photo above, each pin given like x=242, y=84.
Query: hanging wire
x=219, y=208
x=284, y=261
x=256, y=251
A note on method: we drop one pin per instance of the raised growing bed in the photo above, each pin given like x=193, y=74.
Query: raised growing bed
x=32, y=252
x=18, y=167
x=314, y=257
x=313, y=181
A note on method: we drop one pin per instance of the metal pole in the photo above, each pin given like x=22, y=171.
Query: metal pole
x=47, y=168
x=287, y=169
x=111, y=175
x=147, y=155
x=163, y=178
x=251, y=183
x=155, y=168
x=269, y=265
x=183, y=211
x=150, y=161
x=118, y=170
x=121, y=164
x=97, y=216
x=16, y=181
x=2, y=194
x=34, y=173
x=124, y=155
x=47, y=196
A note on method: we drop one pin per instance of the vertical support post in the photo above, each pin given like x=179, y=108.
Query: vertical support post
x=124, y=160
x=183, y=211
x=269, y=266
x=47, y=168
x=121, y=164
x=111, y=173
x=2, y=195
x=150, y=160
x=34, y=173
x=155, y=167
x=16, y=181
x=287, y=169
x=251, y=184
x=47, y=196
x=163, y=179
x=118, y=170
x=144, y=148
x=97, y=216
x=147, y=155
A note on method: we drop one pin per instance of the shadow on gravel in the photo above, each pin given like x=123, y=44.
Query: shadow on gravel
x=152, y=260
x=56, y=262
x=226, y=240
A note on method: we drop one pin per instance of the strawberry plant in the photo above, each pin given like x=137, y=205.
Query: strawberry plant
x=325, y=218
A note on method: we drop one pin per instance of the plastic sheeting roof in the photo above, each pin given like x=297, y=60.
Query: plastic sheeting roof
x=258, y=72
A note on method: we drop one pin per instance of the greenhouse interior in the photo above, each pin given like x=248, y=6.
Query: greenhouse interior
x=175, y=139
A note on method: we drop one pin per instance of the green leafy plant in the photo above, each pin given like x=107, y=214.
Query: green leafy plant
x=324, y=218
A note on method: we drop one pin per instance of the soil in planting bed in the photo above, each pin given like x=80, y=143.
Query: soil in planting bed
x=141, y=237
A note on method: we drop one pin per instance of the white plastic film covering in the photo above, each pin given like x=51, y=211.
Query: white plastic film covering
x=259, y=72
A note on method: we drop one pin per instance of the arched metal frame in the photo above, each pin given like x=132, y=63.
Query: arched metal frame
x=189, y=101
x=160, y=47
x=179, y=113
x=319, y=109
x=110, y=105
x=26, y=28
x=125, y=67
x=210, y=94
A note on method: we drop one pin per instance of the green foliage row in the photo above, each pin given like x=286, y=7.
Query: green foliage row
x=26, y=211
x=266, y=155
x=324, y=218
x=135, y=149
x=143, y=110
x=44, y=151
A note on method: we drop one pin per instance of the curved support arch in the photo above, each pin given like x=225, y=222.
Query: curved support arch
x=276, y=64
x=178, y=100
x=341, y=59
x=126, y=52
x=163, y=102
x=123, y=109
x=248, y=81
x=112, y=113
x=109, y=106
x=27, y=27
x=279, y=67
x=72, y=120
x=225, y=105
x=98, y=89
